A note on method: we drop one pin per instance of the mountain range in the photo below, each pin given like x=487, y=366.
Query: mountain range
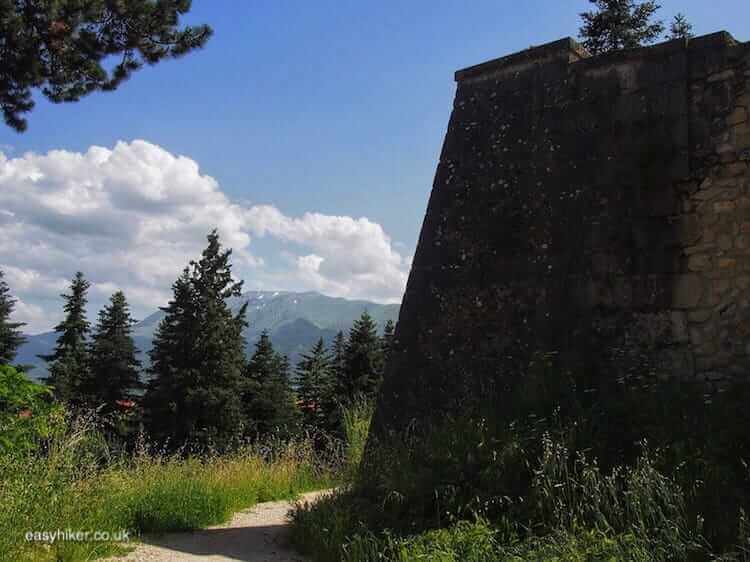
x=294, y=321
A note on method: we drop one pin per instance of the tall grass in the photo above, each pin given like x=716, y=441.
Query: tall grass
x=574, y=512
x=630, y=470
x=75, y=483
x=356, y=420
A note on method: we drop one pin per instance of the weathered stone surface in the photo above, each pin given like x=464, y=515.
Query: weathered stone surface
x=739, y=115
x=724, y=206
x=699, y=262
x=687, y=291
x=700, y=315
x=587, y=206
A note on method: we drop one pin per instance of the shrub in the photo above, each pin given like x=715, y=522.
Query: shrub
x=27, y=413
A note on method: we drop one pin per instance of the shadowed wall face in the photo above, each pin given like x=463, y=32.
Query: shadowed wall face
x=592, y=207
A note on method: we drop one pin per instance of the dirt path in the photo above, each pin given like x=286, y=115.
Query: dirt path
x=258, y=534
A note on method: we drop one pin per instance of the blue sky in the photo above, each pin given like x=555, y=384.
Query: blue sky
x=320, y=106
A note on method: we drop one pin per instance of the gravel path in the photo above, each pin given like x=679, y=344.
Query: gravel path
x=258, y=534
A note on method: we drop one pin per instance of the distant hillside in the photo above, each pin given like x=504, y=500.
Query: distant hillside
x=294, y=321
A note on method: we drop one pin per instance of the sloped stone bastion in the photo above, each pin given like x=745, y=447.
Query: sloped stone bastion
x=594, y=207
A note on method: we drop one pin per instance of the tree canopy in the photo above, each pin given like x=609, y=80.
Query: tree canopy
x=363, y=360
x=620, y=24
x=65, y=47
x=268, y=398
x=68, y=370
x=10, y=334
x=114, y=366
x=198, y=355
x=316, y=387
x=680, y=28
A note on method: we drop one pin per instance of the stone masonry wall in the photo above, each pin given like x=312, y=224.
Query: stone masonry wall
x=589, y=206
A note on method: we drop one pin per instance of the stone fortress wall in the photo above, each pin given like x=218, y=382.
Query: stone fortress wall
x=590, y=206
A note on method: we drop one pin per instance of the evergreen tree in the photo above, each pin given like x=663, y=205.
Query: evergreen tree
x=61, y=47
x=338, y=357
x=197, y=355
x=619, y=24
x=316, y=388
x=68, y=363
x=388, y=334
x=114, y=367
x=268, y=398
x=338, y=363
x=221, y=359
x=173, y=367
x=363, y=360
x=680, y=28
x=10, y=335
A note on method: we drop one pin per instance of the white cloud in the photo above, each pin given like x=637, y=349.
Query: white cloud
x=131, y=217
x=33, y=316
x=353, y=257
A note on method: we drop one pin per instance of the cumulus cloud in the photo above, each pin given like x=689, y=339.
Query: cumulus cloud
x=131, y=217
x=352, y=257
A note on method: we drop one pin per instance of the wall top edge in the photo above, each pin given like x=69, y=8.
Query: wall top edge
x=569, y=51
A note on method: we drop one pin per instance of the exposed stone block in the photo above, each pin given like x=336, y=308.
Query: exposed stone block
x=700, y=315
x=721, y=76
x=699, y=262
x=724, y=206
x=687, y=291
x=739, y=115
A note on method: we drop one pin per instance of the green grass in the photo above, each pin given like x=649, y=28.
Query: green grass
x=578, y=483
x=356, y=421
x=76, y=485
x=581, y=514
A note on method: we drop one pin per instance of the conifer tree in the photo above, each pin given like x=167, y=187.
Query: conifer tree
x=338, y=356
x=61, y=47
x=69, y=362
x=619, y=24
x=268, y=398
x=220, y=344
x=338, y=363
x=316, y=388
x=114, y=366
x=173, y=367
x=680, y=28
x=363, y=360
x=197, y=355
x=10, y=335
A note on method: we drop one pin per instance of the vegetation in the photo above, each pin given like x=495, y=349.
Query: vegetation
x=69, y=362
x=268, y=398
x=356, y=419
x=198, y=356
x=115, y=371
x=362, y=361
x=202, y=393
x=62, y=47
x=628, y=470
x=74, y=481
x=680, y=28
x=10, y=334
x=27, y=413
x=316, y=387
x=620, y=24
x=60, y=473
x=225, y=432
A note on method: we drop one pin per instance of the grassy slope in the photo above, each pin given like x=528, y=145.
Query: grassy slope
x=532, y=489
x=76, y=487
